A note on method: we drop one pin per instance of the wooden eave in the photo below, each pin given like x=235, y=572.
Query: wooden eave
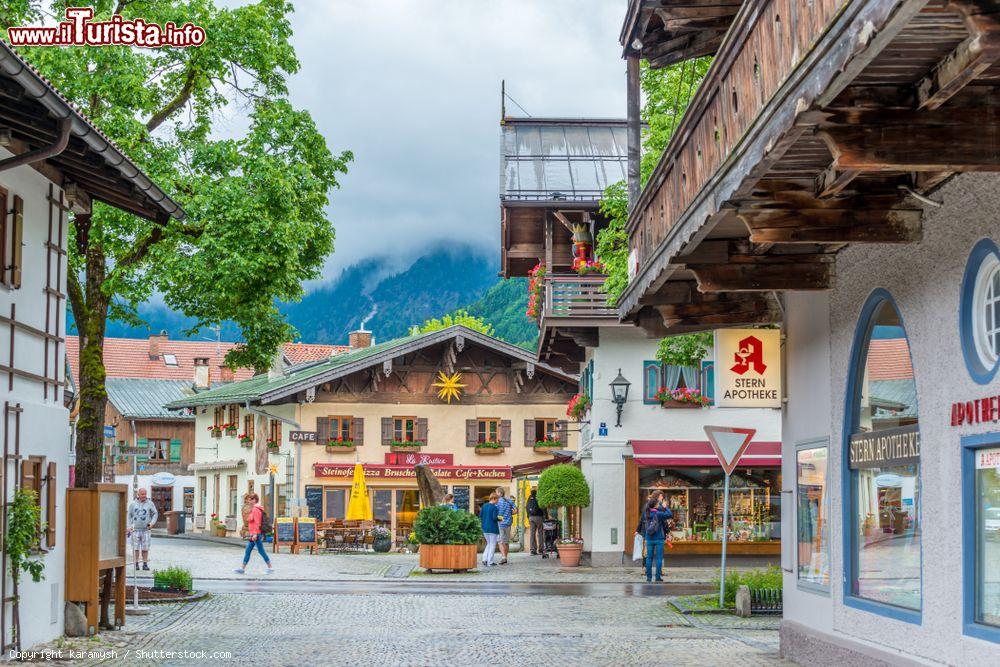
x=781, y=169
x=664, y=32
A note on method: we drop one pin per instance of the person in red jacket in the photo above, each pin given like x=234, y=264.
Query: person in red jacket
x=255, y=538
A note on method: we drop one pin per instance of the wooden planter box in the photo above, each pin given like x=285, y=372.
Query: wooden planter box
x=489, y=451
x=248, y=445
x=547, y=448
x=405, y=448
x=230, y=434
x=448, y=556
x=336, y=449
x=677, y=405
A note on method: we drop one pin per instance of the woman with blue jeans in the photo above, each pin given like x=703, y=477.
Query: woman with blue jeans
x=255, y=537
x=488, y=516
x=654, y=530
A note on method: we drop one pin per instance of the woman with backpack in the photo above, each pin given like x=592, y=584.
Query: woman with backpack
x=653, y=527
x=258, y=525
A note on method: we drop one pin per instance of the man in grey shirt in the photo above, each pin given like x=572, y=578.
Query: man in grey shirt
x=142, y=516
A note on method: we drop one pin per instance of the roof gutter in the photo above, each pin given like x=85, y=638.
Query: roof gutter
x=284, y=420
x=65, y=125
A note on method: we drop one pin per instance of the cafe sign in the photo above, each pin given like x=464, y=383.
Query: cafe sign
x=418, y=458
x=372, y=472
x=885, y=448
x=748, y=368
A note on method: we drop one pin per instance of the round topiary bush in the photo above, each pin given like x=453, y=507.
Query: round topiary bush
x=563, y=485
x=443, y=525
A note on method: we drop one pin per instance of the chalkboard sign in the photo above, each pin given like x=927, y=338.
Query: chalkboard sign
x=461, y=497
x=306, y=533
x=284, y=531
x=314, y=501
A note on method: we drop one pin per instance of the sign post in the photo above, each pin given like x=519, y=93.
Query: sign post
x=729, y=443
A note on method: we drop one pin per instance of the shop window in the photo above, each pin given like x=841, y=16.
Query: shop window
x=813, y=515
x=981, y=535
x=980, y=312
x=382, y=506
x=407, y=506
x=334, y=504
x=882, y=491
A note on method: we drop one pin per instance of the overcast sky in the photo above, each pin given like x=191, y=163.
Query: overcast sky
x=412, y=87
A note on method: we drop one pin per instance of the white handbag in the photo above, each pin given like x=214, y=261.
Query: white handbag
x=637, y=545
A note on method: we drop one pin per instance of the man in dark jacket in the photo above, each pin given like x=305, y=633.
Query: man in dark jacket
x=536, y=515
x=653, y=527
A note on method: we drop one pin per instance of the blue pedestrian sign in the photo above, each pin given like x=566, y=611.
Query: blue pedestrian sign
x=602, y=429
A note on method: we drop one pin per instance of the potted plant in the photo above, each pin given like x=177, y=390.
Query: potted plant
x=591, y=266
x=548, y=443
x=447, y=538
x=246, y=440
x=230, y=428
x=411, y=539
x=405, y=445
x=489, y=447
x=681, y=398
x=174, y=579
x=383, y=539
x=339, y=445
x=578, y=406
x=215, y=430
x=564, y=485
x=218, y=527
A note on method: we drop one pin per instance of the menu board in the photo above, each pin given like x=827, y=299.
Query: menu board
x=306, y=530
x=314, y=501
x=284, y=530
x=461, y=497
x=111, y=513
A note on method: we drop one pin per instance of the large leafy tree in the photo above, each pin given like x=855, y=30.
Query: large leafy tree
x=213, y=126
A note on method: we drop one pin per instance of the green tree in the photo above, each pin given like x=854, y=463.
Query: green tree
x=256, y=224
x=459, y=317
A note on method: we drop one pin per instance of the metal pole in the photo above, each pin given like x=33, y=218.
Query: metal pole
x=725, y=535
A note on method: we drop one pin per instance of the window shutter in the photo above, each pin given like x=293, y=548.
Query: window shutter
x=562, y=432
x=3, y=236
x=143, y=455
x=16, y=243
x=708, y=381
x=529, y=432
x=50, y=506
x=422, y=429
x=322, y=430
x=386, y=430
x=590, y=379
x=358, y=431
x=505, y=432
x=175, y=450
x=471, y=432
x=651, y=381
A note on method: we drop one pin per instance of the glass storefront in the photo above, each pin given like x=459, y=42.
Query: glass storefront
x=884, y=460
x=695, y=496
x=813, y=515
x=987, y=545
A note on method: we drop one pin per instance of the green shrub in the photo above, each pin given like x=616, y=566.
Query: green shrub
x=769, y=578
x=443, y=525
x=563, y=485
x=173, y=577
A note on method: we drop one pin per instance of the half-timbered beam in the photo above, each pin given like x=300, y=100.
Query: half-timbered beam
x=754, y=273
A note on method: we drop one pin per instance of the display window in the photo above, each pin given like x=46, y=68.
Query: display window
x=981, y=533
x=812, y=515
x=883, y=460
x=695, y=497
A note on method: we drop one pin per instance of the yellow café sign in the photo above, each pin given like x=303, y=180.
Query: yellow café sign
x=406, y=472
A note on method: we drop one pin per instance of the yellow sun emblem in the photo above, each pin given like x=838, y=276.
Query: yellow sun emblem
x=449, y=387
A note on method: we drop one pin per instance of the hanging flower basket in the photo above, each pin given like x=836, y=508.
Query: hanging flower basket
x=578, y=406
x=339, y=446
x=681, y=398
x=489, y=448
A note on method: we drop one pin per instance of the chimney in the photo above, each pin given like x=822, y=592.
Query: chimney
x=202, y=373
x=226, y=374
x=154, y=345
x=360, y=339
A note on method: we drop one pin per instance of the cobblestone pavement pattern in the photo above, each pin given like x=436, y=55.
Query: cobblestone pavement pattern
x=305, y=629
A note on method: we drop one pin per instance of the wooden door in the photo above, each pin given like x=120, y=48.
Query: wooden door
x=163, y=498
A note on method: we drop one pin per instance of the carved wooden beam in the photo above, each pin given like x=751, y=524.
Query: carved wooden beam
x=755, y=273
x=833, y=181
x=833, y=226
x=714, y=310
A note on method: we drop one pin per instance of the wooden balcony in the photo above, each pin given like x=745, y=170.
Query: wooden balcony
x=573, y=310
x=815, y=123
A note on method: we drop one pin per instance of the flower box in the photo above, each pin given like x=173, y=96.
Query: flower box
x=448, y=556
x=215, y=432
x=273, y=446
x=681, y=398
x=488, y=451
x=677, y=405
x=545, y=445
x=405, y=445
x=340, y=449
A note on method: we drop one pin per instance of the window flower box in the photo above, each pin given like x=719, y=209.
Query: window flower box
x=230, y=429
x=545, y=445
x=681, y=398
x=339, y=446
x=405, y=445
x=215, y=431
x=273, y=445
x=489, y=448
x=246, y=440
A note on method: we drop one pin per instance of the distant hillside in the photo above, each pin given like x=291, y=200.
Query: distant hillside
x=503, y=306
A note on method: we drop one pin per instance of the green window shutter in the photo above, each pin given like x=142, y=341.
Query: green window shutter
x=175, y=450
x=652, y=381
x=143, y=454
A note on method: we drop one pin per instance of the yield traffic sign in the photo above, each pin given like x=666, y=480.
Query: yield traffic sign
x=729, y=444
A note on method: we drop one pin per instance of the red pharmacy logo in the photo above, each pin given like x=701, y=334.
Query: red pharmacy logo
x=750, y=355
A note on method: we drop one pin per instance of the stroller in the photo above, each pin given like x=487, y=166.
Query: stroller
x=551, y=528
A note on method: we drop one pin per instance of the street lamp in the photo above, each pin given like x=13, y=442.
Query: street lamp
x=619, y=394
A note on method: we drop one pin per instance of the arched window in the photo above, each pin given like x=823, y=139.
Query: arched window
x=980, y=312
x=882, y=447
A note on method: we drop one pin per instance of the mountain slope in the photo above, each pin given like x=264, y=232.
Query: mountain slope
x=503, y=306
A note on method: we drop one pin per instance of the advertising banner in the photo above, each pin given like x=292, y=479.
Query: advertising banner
x=748, y=368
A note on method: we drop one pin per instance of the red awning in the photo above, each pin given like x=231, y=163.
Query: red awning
x=698, y=453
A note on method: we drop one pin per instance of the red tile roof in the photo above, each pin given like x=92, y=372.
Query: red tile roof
x=129, y=357
x=889, y=359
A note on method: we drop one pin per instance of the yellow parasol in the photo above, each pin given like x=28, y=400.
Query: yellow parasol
x=360, y=506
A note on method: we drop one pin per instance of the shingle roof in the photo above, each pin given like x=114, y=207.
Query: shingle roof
x=261, y=388
x=129, y=357
x=889, y=359
x=144, y=399
x=895, y=398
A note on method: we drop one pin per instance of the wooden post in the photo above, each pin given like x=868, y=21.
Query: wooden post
x=548, y=243
x=634, y=128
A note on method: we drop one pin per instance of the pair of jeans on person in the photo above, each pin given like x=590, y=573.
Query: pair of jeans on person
x=491, y=547
x=654, y=549
x=258, y=542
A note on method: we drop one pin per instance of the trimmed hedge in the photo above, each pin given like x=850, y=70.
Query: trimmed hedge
x=443, y=525
x=563, y=485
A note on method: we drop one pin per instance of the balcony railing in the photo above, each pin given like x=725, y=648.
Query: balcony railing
x=576, y=296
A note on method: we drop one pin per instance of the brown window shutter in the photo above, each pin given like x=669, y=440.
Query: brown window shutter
x=50, y=506
x=358, y=430
x=422, y=429
x=4, y=254
x=529, y=432
x=505, y=432
x=322, y=430
x=562, y=435
x=471, y=432
x=16, y=243
x=31, y=476
x=386, y=430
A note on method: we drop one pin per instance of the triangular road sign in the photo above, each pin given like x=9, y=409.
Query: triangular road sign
x=729, y=444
